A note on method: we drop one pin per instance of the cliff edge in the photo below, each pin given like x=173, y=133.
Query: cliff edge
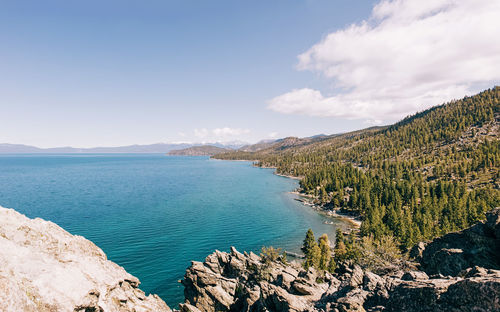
x=45, y=268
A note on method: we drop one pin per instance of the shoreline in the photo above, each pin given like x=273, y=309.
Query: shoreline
x=335, y=213
x=285, y=176
x=353, y=220
x=343, y=216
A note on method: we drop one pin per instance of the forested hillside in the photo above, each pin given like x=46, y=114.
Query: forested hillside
x=429, y=174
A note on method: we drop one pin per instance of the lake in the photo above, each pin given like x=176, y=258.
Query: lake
x=153, y=214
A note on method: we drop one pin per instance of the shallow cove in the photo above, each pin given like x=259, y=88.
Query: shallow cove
x=153, y=214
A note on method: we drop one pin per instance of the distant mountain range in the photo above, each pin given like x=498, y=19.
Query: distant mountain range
x=163, y=148
x=199, y=149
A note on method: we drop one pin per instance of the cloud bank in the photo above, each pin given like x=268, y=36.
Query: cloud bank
x=409, y=55
x=226, y=131
x=220, y=133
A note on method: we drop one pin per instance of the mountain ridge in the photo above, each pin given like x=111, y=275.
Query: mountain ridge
x=8, y=148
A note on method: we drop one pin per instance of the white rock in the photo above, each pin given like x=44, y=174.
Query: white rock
x=45, y=268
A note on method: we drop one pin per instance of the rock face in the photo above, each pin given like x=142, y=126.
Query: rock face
x=237, y=282
x=244, y=282
x=45, y=268
x=455, y=252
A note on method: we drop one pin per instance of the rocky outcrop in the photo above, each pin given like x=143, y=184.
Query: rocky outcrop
x=246, y=282
x=455, y=252
x=45, y=268
x=242, y=282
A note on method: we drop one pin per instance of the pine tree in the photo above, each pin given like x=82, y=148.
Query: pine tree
x=340, y=249
x=326, y=253
x=332, y=265
x=311, y=251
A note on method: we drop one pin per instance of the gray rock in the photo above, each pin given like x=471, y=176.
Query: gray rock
x=414, y=276
x=186, y=307
x=452, y=253
x=357, y=276
x=241, y=282
x=304, y=286
x=479, y=293
x=372, y=281
x=353, y=301
x=417, y=251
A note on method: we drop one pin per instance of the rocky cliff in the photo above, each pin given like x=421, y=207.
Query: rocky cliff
x=245, y=282
x=45, y=268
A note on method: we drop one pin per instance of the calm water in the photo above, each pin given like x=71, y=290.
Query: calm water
x=152, y=214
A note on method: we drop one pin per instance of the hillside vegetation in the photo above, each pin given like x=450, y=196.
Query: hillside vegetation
x=429, y=174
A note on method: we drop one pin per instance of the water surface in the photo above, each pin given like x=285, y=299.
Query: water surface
x=153, y=214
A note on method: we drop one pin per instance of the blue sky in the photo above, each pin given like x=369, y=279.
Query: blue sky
x=109, y=73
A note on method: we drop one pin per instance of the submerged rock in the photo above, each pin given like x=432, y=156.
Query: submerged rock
x=45, y=268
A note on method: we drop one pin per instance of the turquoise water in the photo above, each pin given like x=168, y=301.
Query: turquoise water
x=152, y=214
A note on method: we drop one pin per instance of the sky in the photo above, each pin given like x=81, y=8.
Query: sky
x=111, y=73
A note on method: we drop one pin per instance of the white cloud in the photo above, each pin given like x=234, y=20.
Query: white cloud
x=227, y=132
x=410, y=55
x=219, y=134
x=201, y=133
x=374, y=122
x=273, y=135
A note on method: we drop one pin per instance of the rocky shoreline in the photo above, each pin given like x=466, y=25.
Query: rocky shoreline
x=45, y=268
x=287, y=176
x=457, y=272
x=306, y=200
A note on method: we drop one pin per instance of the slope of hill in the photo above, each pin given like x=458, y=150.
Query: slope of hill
x=202, y=150
x=429, y=174
x=263, y=144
